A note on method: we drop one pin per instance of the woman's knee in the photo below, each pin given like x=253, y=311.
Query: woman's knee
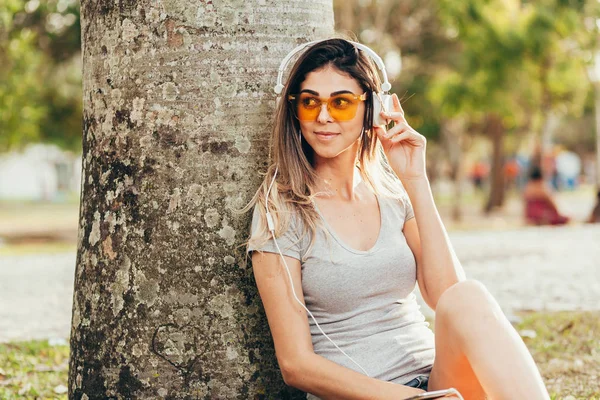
x=466, y=301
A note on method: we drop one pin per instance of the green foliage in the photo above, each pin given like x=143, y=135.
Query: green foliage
x=62, y=124
x=21, y=103
x=517, y=60
x=416, y=108
x=33, y=370
x=40, y=78
x=499, y=39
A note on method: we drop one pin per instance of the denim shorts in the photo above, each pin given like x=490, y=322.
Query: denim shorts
x=420, y=382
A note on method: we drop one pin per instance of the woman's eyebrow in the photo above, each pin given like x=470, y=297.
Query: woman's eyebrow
x=332, y=94
x=341, y=92
x=309, y=91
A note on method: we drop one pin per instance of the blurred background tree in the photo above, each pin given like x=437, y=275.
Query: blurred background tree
x=40, y=73
x=506, y=71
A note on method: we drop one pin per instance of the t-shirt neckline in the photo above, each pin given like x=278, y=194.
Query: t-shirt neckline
x=342, y=243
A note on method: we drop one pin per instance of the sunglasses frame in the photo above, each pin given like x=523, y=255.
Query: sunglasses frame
x=359, y=97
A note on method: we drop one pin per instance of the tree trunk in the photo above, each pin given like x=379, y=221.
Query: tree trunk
x=495, y=129
x=453, y=133
x=178, y=102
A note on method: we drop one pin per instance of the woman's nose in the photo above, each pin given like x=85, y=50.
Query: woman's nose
x=324, y=116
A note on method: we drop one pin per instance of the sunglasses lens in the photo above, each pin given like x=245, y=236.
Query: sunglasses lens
x=341, y=107
x=308, y=107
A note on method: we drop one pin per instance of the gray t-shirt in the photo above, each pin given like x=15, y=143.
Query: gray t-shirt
x=364, y=300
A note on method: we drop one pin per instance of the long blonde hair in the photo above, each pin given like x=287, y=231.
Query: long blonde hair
x=294, y=188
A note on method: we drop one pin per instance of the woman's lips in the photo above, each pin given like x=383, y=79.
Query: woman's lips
x=326, y=135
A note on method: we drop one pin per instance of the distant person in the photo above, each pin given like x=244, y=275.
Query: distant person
x=568, y=166
x=595, y=216
x=479, y=173
x=540, y=208
x=511, y=173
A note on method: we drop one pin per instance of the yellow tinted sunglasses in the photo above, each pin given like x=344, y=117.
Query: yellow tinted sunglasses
x=341, y=107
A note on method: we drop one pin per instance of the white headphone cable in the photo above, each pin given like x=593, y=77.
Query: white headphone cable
x=272, y=230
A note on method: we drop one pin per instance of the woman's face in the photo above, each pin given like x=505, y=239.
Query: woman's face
x=325, y=135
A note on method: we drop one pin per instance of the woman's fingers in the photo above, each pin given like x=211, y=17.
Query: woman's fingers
x=398, y=129
x=412, y=136
x=406, y=135
x=397, y=114
x=402, y=132
x=396, y=104
x=380, y=131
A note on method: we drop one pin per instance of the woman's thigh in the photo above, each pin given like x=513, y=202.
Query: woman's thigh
x=451, y=367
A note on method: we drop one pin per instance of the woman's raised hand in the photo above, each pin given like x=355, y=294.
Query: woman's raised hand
x=403, y=146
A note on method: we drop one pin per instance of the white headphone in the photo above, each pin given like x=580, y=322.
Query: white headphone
x=381, y=100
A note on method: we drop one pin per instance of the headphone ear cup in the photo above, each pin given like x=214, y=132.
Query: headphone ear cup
x=376, y=109
x=381, y=102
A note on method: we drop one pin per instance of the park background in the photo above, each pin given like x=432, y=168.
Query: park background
x=493, y=85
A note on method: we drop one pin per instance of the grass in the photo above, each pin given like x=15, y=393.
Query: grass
x=565, y=346
x=33, y=370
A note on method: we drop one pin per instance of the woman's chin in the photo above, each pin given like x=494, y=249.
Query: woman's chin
x=328, y=155
x=332, y=150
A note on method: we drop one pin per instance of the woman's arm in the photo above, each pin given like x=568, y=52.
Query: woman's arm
x=437, y=265
x=438, y=268
x=300, y=366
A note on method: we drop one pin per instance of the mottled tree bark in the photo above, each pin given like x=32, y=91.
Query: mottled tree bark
x=178, y=104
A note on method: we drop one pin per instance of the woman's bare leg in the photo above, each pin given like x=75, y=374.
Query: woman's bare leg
x=478, y=351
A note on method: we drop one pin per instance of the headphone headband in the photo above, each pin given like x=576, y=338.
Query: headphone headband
x=385, y=86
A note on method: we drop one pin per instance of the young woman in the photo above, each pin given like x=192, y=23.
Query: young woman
x=340, y=195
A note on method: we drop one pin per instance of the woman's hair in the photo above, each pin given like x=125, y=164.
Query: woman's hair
x=295, y=185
